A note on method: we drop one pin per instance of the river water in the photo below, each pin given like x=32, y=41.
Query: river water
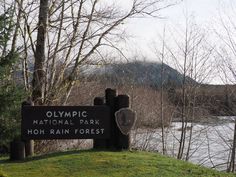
x=210, y=144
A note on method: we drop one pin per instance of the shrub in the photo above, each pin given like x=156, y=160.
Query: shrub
x=11, y=94
x=10, y=104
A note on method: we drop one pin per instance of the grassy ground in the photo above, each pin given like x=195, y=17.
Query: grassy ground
x=104, y=164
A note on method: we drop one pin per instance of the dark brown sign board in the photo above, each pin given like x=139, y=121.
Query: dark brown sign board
x=65, y=122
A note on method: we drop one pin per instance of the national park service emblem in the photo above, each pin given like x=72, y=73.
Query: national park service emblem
x=125, y=120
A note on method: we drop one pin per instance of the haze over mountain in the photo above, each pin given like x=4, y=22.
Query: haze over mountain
x=142, y=73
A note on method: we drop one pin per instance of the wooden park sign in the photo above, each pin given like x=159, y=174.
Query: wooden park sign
x=108, y=123
x=65, y=122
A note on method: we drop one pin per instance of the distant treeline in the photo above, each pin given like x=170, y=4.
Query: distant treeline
x=217, y=100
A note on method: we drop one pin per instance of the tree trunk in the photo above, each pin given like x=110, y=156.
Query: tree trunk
x=39, y=74
x=162, y=90
x=183, y=117
x=232, y=160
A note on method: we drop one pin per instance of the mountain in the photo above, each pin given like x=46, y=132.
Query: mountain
x=137, y=73
x=141, y=73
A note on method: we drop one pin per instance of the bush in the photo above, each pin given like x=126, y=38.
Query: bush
x=10, y=118
x=11, y=94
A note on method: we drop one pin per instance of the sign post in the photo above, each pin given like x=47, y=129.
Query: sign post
x=123, y=139
x=99, y=143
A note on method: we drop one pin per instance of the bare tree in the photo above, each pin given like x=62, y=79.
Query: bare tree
x=226, y=52
x=161, y=56
x=67, y=35
x=39, y=74
x=190, y=55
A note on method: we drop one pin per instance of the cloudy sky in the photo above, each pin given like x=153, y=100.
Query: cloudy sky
x=145, y=31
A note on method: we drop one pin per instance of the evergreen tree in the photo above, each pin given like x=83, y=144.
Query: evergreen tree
x=11, y=94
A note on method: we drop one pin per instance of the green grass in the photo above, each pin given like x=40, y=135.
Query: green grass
x=104, y=164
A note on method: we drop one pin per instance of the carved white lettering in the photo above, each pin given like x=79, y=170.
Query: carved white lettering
x=81, y=131
x=49, y=114
x=60, y=113
x=55, y=114
x=89, y=131
x=59, y=131
x=102, y=130
x=35, y=132
x=35, y=122
x=84, y=114
x=52, y=131
x=67, y=114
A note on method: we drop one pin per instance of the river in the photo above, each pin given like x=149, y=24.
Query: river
x=210, y=144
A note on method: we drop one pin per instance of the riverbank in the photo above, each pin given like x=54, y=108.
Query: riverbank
x=210, y=120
